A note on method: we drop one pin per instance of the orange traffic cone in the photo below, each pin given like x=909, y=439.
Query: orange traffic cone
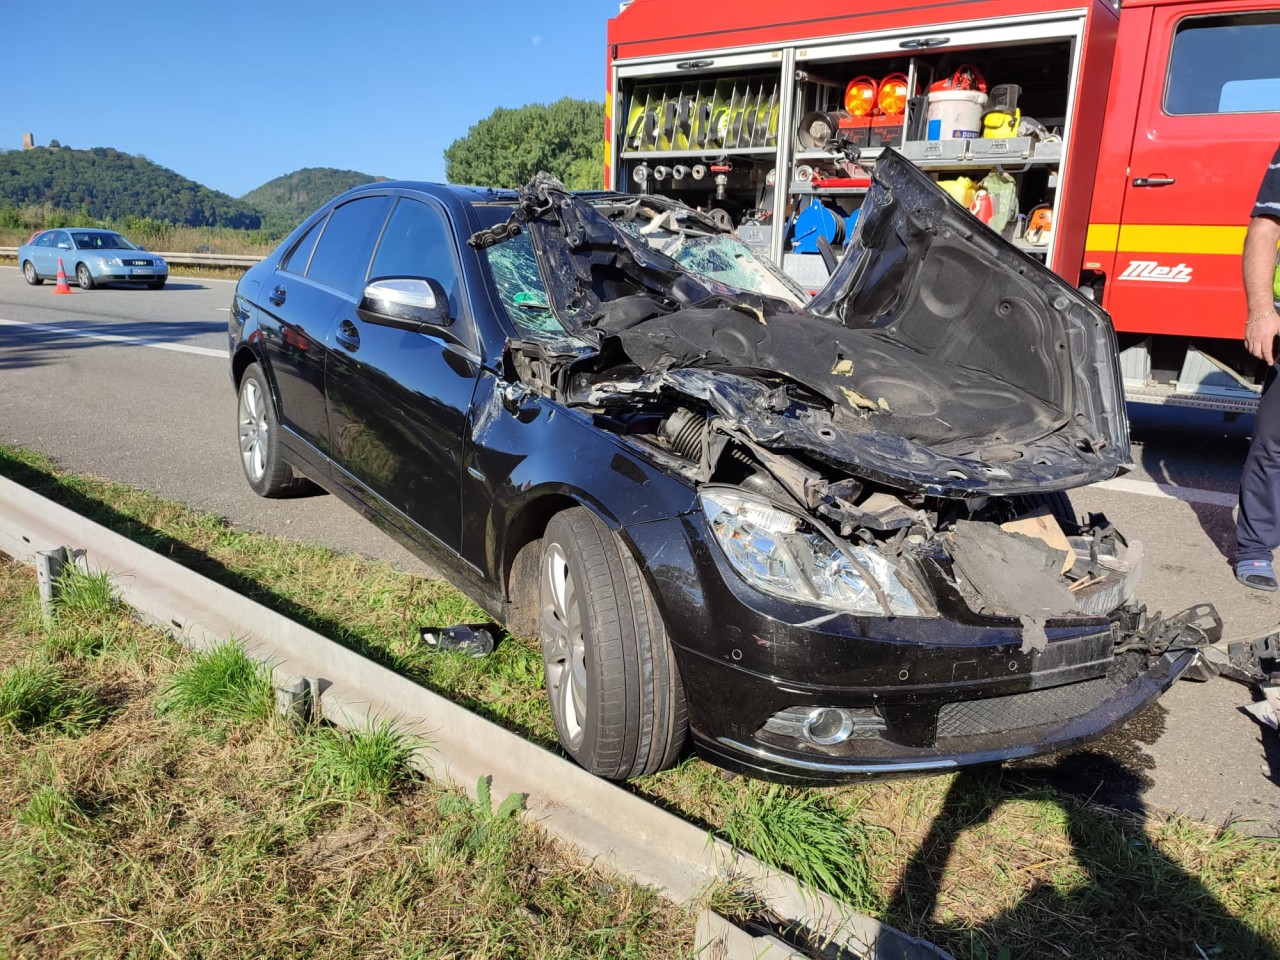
x=62, y=286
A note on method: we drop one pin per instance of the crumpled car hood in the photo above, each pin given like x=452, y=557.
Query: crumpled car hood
x=938, y=359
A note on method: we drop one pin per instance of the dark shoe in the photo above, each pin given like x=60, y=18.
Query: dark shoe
x=1257, y=574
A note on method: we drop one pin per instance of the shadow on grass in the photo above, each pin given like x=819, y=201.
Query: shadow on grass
x=1125, y=899
x=53, y=488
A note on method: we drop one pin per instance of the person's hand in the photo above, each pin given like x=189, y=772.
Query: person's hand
x=1260, y=336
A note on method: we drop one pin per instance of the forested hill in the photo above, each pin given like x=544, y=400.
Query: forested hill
x=107, y=185
x=286, y=200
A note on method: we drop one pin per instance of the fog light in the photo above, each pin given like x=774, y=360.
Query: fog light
x=827, y=726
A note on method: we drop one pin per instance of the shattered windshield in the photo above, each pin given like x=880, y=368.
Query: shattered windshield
x=671, y=230
x=718, y=257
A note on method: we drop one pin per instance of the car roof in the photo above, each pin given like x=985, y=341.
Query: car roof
x=461, y=192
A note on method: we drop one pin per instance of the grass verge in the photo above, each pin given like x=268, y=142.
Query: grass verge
x=140, y=835
x=980, y=862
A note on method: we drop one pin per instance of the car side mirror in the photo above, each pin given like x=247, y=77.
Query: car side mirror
x=64, y=246
x=408, y=303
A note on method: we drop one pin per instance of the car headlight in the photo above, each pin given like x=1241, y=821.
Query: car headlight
x=159, y=261
x=783, y=554
x=109, y=261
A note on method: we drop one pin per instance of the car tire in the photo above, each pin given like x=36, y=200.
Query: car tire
x=30, y=274
x=616, y=696
x=258, y=431
x=155, y=284
x=84, y=277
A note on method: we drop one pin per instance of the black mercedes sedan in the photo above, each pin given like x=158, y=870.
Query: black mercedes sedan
x=820, y=538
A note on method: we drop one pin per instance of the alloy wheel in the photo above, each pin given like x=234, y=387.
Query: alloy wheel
x=563, y=646
x=253, y=430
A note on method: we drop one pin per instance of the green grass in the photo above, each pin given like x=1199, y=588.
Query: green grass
x=795, y=831
x=37, y=696
x=54, y=813
x=355, y=765
x=145, y=838
x=982, y=864
x=82, y=592
x=222, y=684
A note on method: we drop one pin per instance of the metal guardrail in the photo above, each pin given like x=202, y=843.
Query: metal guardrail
x=184, y=259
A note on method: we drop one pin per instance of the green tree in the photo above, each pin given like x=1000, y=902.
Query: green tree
x=565, y=138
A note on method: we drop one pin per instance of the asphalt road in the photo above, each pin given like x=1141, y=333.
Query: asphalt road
x=131, y=384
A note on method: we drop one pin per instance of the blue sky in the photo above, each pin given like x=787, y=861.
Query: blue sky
x=233, y=93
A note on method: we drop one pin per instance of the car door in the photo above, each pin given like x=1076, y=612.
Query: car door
x=1208, y=122
x=43, y=254
x=62, y=248
x=398, y=401
x=319, y=276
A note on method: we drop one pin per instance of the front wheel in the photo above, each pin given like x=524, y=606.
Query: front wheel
x=30, y=274
x=84, y=277
x=259, y=430
x=615, y=692
x=155, y=284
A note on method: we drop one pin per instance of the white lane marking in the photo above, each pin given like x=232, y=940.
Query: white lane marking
x=1149, y=488
x=116, y=338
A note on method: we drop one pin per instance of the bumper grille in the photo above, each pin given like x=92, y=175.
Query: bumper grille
x=1017, y=711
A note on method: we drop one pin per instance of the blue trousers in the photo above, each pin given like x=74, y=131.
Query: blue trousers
x=1258, y=522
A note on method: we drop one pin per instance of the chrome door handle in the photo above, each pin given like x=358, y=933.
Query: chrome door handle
x=348, y=335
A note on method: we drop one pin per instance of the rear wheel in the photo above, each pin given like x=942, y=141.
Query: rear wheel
x=264, y=466
x=84, y=277
x=29, y=272
x=615, y=692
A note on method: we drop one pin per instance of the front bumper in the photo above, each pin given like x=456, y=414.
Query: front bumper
x=918, y=695
x=130, y=275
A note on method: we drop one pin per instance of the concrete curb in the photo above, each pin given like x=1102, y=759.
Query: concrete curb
x=605, y=822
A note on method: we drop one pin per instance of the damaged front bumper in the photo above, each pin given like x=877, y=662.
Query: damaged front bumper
x=798, y=693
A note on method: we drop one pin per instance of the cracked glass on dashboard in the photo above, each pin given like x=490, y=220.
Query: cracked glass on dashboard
x=720, y=257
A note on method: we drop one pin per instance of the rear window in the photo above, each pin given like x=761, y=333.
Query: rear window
x=1228, y=64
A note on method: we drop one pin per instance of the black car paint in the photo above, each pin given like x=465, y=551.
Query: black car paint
x=508, y=457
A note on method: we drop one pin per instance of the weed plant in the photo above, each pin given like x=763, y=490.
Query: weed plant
x=477, y=825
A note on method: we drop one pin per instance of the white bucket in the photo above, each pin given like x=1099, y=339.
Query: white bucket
x=956, y=114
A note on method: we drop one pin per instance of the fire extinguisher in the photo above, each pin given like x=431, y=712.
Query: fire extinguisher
x=981, y=207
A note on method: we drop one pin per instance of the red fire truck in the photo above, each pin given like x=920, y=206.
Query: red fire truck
x=1125, y=143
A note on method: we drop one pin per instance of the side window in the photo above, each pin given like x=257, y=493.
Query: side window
x=297, y=259
x=45, y=239
x=341, y=258
x=1226, y=64
x=62, y=240
x=520, y=289
x=418, y=243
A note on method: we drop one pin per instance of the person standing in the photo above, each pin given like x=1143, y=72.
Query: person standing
x=1258, y=521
